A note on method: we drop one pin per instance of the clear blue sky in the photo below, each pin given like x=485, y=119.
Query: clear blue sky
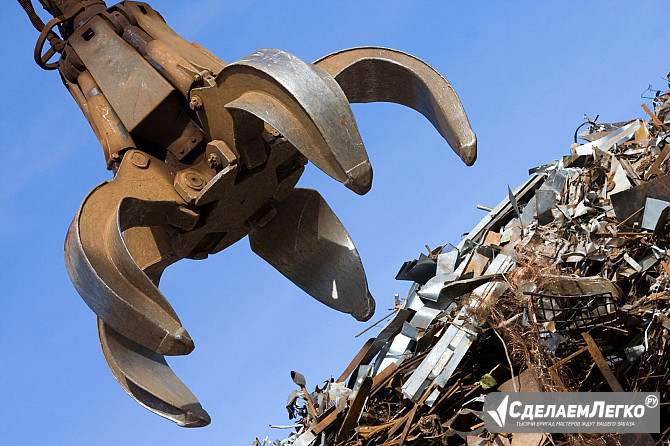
x=526, y=73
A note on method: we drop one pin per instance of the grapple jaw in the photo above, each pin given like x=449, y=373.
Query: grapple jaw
x=301, y=101
x=307, y=243
x=147, y=378
x=101, y=267
x=212, y=153
x=373, y=74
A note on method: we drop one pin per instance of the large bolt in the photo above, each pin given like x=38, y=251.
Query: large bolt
x=271, y=130
x=139, y=159
x=187, y=183
x=194, y=180
x=195, y=103
x=214, y=161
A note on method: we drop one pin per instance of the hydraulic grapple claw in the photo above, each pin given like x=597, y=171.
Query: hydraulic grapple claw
x=205, y=154
x=101, y=267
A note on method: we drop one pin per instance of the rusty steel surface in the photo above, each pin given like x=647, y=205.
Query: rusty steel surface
x=203, y=154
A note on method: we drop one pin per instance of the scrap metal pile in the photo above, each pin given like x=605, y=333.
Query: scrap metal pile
x=563, y=286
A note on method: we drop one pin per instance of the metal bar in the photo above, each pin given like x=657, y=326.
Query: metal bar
x=532, y=293
x=376, y=323
x=602, y=363
x=654, y=118
x=310, y=404
x=410, y=418
x=389, y=331
x=655, y=168
x=382, y=377
x=326, y=421
x=354, y=409
x=627, y=439
x=356, y=361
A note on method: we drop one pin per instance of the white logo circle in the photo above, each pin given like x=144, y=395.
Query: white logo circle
x=651, y=401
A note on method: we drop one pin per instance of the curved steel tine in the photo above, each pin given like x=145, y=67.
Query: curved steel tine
x=147, y=378
x=151, y=249
x=101, y=267
x=307, y=243
x=306, y=107
x=372, y=74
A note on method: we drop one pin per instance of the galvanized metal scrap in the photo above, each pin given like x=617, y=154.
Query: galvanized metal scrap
x=205, y=153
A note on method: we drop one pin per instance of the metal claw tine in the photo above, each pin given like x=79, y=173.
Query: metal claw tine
x=148, y=379
x=307, y=243
x=300, y=101
x=151, y=248
x=106, y=275
x=371, y=74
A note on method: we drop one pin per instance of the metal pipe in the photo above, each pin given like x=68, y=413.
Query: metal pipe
x=113, y=134
x=179, y=71
x=79, y=98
